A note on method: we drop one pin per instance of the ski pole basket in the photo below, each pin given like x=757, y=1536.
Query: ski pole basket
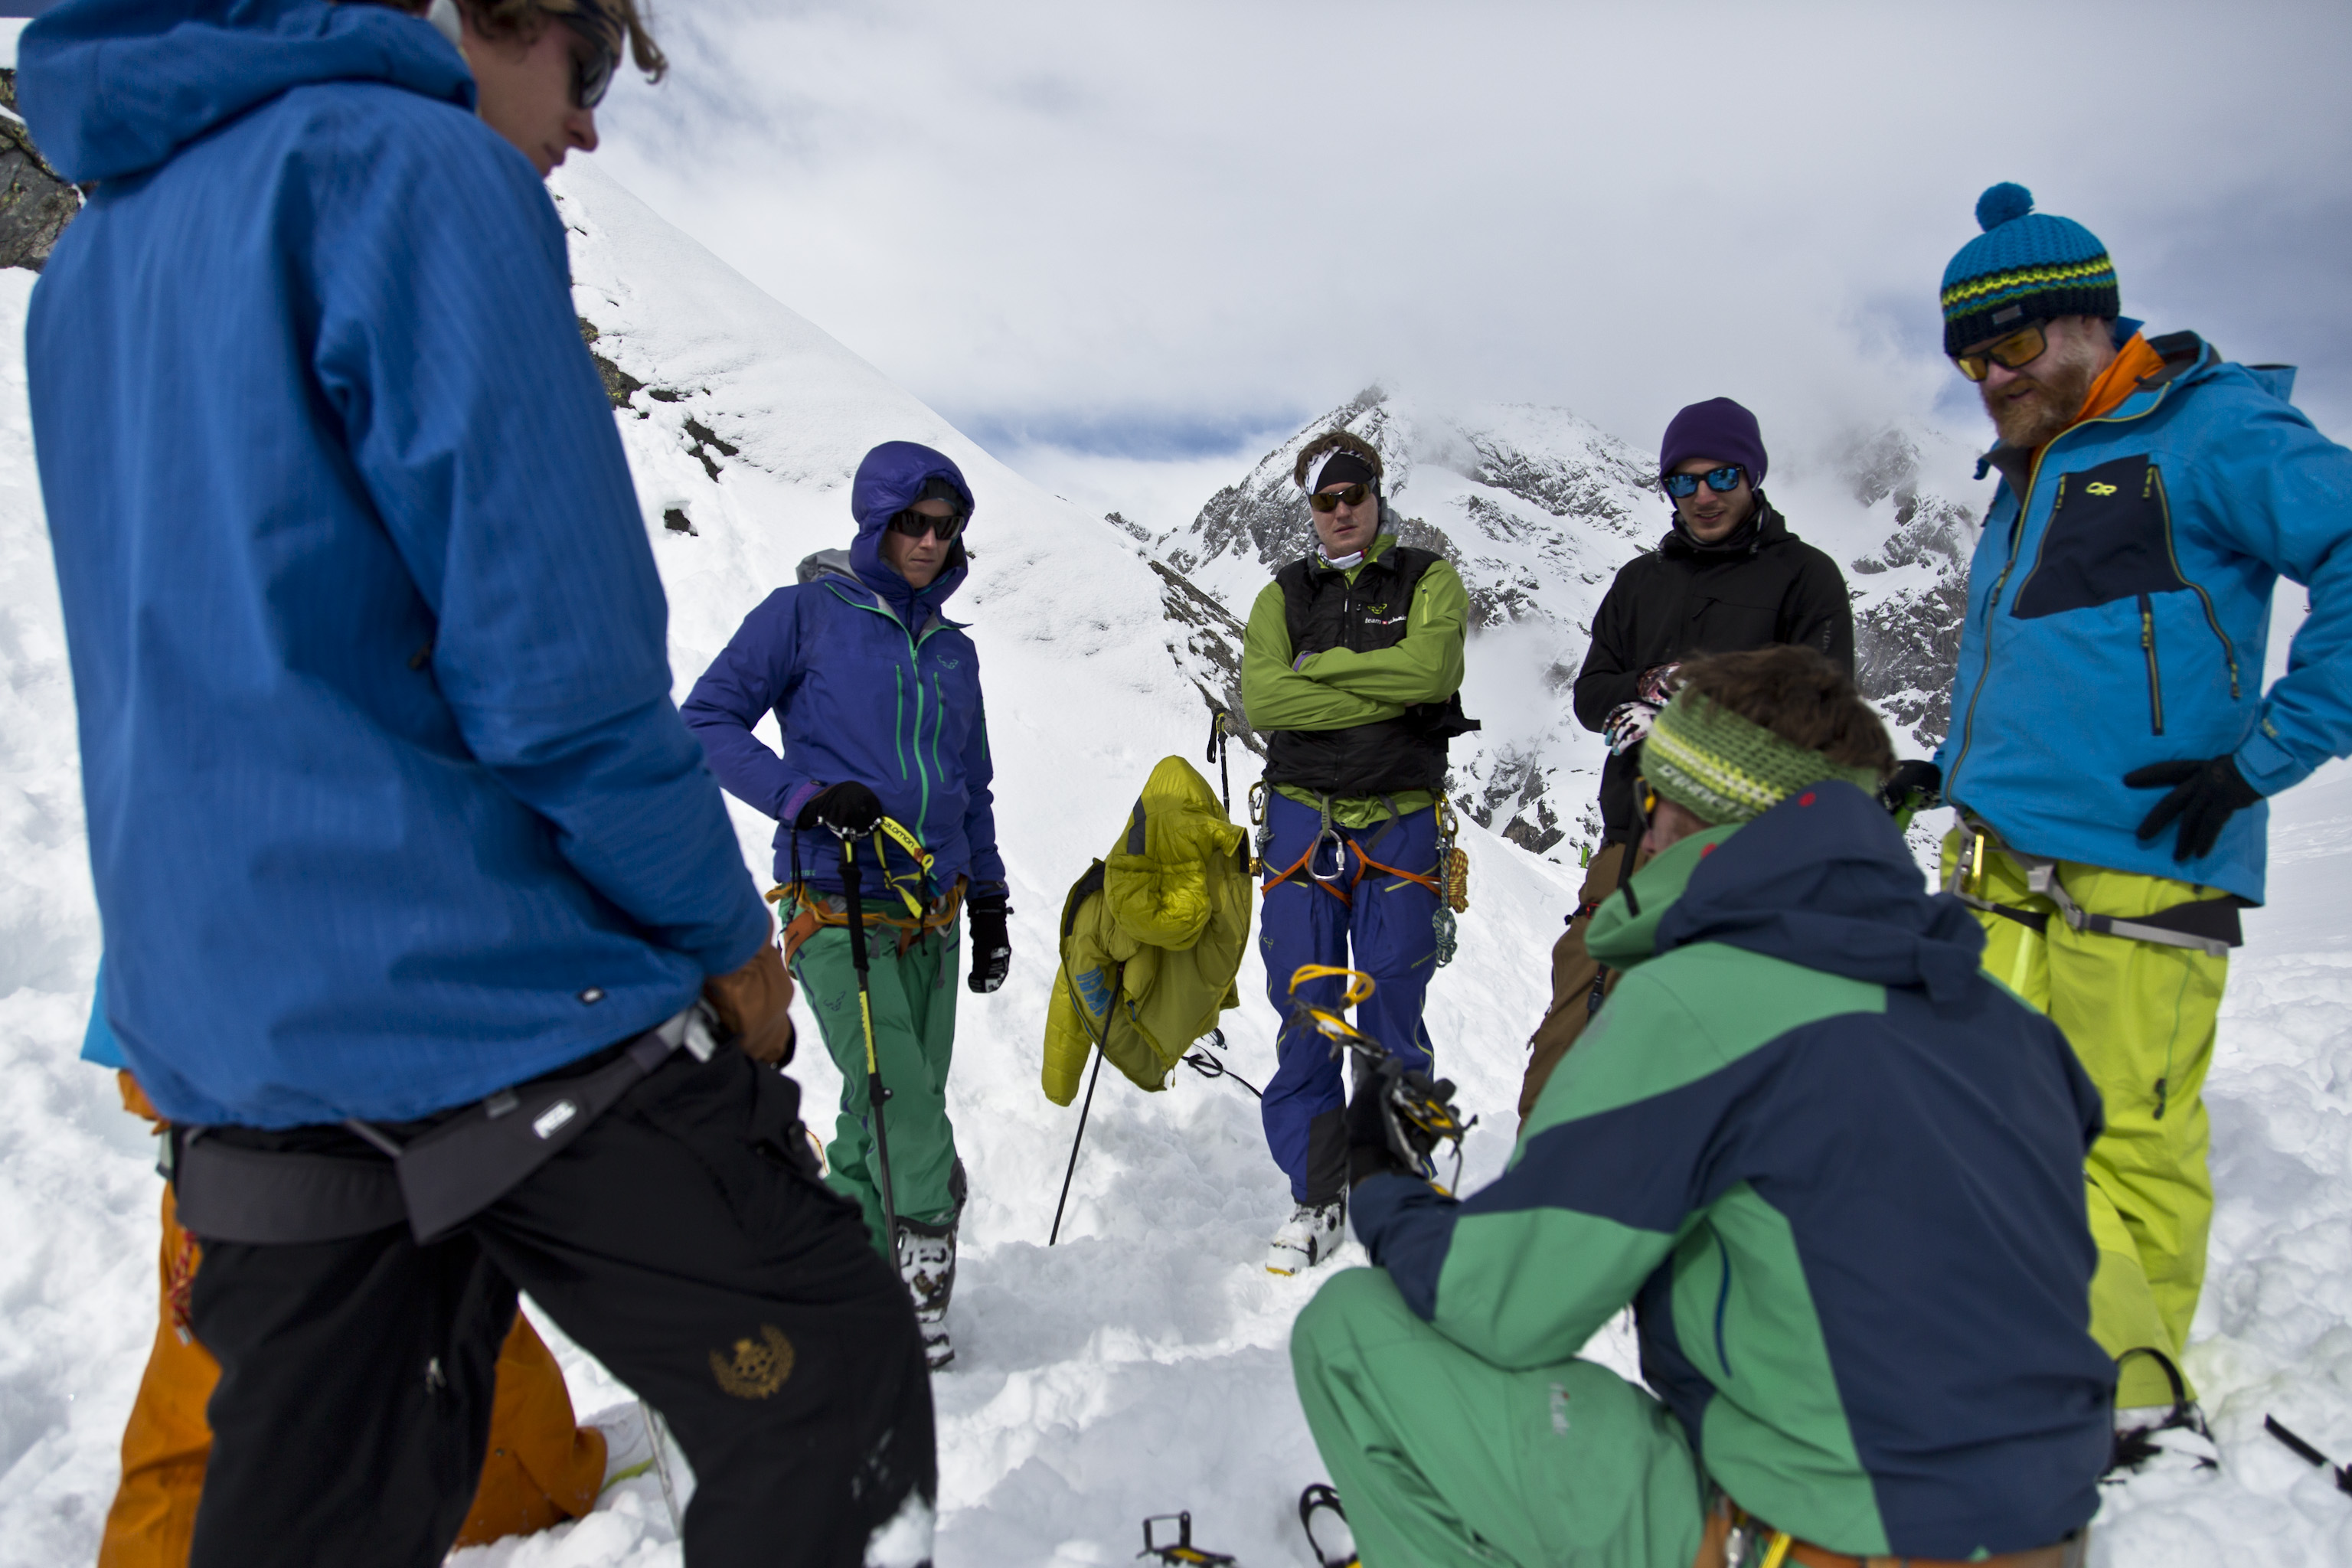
x=1182, y=1549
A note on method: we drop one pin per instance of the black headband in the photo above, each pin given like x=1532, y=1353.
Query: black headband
x=1340, y=468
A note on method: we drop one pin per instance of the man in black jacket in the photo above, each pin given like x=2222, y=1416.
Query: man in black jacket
x=1728, y=576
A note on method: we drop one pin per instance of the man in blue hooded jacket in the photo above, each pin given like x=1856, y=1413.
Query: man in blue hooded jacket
x=2112, y=746
x=412, y=881
x=877, y=696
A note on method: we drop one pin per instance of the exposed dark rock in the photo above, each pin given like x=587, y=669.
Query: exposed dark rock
x=35, y=200
x=704, y=440
x=1133, y=530
x=1207, y=647
x=676, y=521
x=619, y=385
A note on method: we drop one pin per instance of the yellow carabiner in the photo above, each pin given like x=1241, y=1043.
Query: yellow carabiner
x=1359, y=984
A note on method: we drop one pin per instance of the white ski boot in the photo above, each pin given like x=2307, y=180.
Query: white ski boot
x=1314, y=1233
x=926, y=1261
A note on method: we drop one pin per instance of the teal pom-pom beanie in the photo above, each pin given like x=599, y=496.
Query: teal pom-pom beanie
x=2025, y=267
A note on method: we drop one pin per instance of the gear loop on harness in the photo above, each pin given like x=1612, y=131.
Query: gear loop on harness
x=812, y=908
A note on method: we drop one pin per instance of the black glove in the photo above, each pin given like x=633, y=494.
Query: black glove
x=1378, y=1138
x=2204, y=795
x=1913, y=786
x=991, y=947
x=848, y=807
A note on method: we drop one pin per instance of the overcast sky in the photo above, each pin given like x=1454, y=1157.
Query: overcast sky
x=1098, y=235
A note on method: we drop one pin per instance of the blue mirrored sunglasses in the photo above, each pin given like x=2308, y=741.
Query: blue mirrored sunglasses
x=1721, y=480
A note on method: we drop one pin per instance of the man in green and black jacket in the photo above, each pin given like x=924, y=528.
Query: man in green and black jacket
x=1834, y=1168
x=1352, y=666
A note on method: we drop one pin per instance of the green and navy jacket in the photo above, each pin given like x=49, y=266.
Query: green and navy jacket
x=1838, y=1173
x=870, y=681
x=2119, y=606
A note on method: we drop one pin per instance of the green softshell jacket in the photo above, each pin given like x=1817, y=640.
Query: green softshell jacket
x=1836, y=1169
x=1151, y=937
x=1340, y=687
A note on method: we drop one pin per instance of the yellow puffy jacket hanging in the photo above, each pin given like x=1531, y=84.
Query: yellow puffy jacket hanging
x=1151, y=937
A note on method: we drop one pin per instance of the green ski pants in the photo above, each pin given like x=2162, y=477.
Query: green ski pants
x=2141, y=1017
x=914, y=997
x=1442, y=1458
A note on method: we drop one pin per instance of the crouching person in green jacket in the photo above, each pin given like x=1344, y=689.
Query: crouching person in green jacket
x=1833, y=1168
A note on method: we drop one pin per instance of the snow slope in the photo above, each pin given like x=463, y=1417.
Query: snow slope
x=1138, y=1367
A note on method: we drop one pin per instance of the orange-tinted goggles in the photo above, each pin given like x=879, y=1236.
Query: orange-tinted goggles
x=2015, y=352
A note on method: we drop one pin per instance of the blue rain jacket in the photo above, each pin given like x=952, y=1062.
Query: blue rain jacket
x=869, y=681
x=2119, y=613
x=388, y=804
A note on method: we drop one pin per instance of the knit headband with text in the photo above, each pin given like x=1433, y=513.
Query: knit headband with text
x=1722, y=768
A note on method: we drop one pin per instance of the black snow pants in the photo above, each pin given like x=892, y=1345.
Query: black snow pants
x=684, y=1239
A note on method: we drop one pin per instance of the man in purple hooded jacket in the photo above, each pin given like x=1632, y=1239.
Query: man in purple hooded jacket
x=877, y=695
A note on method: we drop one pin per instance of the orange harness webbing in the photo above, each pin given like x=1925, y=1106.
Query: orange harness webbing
x=1364, y=863
x=812, y=911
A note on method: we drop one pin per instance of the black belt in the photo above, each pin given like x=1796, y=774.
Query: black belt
x=437, y=1181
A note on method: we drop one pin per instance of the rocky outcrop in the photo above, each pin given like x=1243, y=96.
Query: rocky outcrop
x=35, y=200
x=1912, y=593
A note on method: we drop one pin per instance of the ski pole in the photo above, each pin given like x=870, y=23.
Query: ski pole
x=1220, y=725
x=1092, y=1078
x=874, y=1094
x=2343, y=1473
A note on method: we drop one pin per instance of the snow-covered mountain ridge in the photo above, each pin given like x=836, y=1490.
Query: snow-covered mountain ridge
x=1537, y=509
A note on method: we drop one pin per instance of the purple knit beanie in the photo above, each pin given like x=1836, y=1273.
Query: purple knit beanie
x=1716, y=428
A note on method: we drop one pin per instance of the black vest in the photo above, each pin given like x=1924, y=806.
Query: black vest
x=1324, y=611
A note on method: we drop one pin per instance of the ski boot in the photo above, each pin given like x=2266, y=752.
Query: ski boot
x=1314, y=1233
x=927, y=1262
x=1336, y=1547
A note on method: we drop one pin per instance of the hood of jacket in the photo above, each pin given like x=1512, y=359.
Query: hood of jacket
x=1823, y=879
x=1763, y=528
x=891, y=479
x=112, y=88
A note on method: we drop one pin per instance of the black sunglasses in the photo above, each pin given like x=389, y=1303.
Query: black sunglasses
x=1352, y=496
x=1722, y=481
x=915, y=524
x=590, y=78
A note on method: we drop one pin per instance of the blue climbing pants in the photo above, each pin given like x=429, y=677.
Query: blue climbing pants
x=1347, y=906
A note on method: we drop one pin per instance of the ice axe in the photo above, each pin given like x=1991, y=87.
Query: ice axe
x=875, y=1094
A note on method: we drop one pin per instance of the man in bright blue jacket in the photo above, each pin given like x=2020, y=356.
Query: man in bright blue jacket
x=877, y=696
x=2112, y=746
x=411, y=878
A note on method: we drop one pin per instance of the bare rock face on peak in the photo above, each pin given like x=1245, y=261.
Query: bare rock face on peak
x=36, y=202
x=1911, y=593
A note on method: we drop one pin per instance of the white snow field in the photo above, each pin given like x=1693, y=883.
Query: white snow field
x=1140, y=1367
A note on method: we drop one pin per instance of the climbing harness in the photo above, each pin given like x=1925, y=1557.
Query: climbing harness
x=2208, y=925
x=1182, y=1549
x=1420, y=1113
x=1339, y=884
x=812, y=908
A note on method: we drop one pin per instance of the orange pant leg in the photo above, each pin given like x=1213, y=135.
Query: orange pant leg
x=167, y=1441
x=542, y=1468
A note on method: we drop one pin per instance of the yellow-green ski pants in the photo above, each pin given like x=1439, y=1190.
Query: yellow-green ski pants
x=2140, y=1017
